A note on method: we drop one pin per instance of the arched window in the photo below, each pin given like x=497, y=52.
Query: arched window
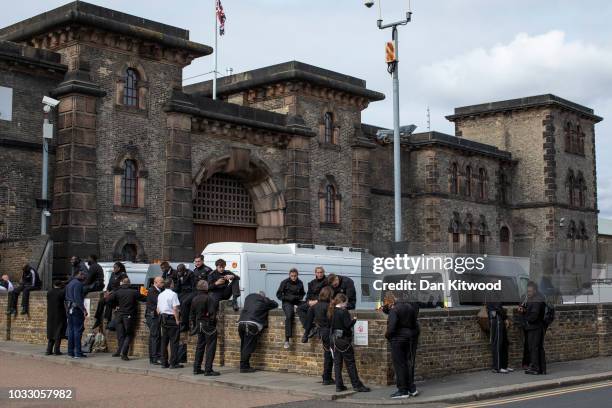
x=330, y=204
x=129, y=184
x=482, y=188
x=572, y=235
x=454, y=179
x=328, y=136
x=469, y=238
x=130, y=91
x=468, y=181
x=568, y=137
x=579, y=140
x=571, y=185
x=581, y=189
x=504, y=241
x=503, y=189
x=129, y=253
x=453, y=230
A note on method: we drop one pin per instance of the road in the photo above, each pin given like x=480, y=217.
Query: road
x=97, y=388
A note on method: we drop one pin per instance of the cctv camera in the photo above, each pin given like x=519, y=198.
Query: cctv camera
x=368, y=3
x=562, y=222
x=50, y=101
x=46, y=213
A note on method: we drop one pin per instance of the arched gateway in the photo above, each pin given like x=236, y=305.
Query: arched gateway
x=236, y=202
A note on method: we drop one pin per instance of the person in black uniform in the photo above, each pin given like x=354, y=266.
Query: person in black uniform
x=312, y=296
x=290, y=292
x=185, y=288
x=318, y=315
x=95, y=276
x=200, y=271
x=102, y=310
x=341, y=335
x=126, y=300
x=253, y=319
x=403, y=334
x=56, y=318
x=78, y=266
x=498, y=333
x=153, y=321
x=344, y=285
x=203, y=319
x=223, y=284
x=29, y=281
x=169, y=273
x=533, y=310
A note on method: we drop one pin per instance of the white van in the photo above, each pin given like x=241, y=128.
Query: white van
x=262, y=267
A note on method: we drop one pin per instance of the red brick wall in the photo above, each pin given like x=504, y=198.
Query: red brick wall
x=451, y=340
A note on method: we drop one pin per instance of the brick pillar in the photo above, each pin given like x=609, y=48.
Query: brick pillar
x=297, y=195
x=178, y=202
x=361, y=210
x=74, y=218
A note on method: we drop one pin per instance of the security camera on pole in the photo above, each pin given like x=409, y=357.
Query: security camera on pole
x=391, y=51
x=44, y=202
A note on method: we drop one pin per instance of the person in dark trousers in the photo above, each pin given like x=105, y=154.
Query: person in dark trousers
x=185, y=289
x=152, y=320
x=533, y=310
x=56, y=318
x=103, y=311
x=344, y=285
x=253, y=320
x=200, y=271
x=341, y=325
x=290, y=292
x=312, y=296
x=126, y=300
x=75, y=313
x=223, y=284
x=29, y=281
x=203, y=319
x=318, y=315
x=168, y=307
x=78, y=266
x=95, y=276
x=498, y=333
x=403, y=334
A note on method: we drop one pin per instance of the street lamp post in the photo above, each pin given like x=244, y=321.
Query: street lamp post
x=393, y=69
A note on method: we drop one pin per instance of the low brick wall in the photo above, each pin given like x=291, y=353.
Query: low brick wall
x=17, y=252
x=451, y=340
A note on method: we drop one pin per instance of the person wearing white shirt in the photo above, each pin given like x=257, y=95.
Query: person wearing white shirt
x=5, y=284
x=168, y=309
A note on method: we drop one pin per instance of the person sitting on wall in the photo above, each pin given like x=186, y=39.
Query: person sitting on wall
x=344, y=285
x=253, y=320
x=5, y=284
x=95, y=276
x=29, y=281
x=200, y=271
x=290, y=292
x=169, y=273
x=224, y=285
x=78, y=265
x=56, y=318
x=312, y=296
x=126, y=300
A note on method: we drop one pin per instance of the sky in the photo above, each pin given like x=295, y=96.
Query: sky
x=453, y=53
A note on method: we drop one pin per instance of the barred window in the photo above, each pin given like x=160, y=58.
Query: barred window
x=223, y=199
x=129, y=184
x=329, y=127
x=330, y=204
x=130, y=91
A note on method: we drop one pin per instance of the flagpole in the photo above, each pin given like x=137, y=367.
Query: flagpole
x=214, y=93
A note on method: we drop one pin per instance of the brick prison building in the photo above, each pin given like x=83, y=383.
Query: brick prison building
x=144, y=169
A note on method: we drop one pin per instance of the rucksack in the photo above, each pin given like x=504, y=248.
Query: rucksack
x=549, y=314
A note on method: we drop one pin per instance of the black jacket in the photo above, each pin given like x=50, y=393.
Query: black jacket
x=126, y=299
x=534, y=312
x=152, y=301
x=214, y=276
x=347, y=287
x=495, y=310
x=342, y=320
x=203, y=309
x=185, y=283
x=402, y=323
x=290, y=292
x=314, y=288
x=95, y=275
x=201, y=274
x=27, y=276
x=56, y=314
x=115, y=281
x=320, y=314
x=256, y=308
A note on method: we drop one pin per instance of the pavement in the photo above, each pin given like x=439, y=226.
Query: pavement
x=457, y=388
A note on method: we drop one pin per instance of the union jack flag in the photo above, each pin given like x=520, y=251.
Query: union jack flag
x=221, y=17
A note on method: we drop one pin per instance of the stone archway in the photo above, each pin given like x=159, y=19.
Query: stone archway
x=267, y=200
x=129, y=248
